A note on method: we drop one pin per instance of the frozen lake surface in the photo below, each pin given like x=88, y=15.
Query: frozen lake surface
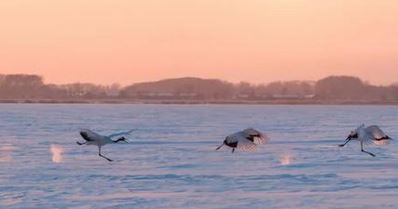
x=170, y=161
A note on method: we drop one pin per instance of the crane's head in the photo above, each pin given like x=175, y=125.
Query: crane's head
x=121, y=139
x=227, y=140
x=85, y=135
x=352, y=135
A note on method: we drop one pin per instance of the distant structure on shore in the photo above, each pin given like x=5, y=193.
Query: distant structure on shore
x=333, y=89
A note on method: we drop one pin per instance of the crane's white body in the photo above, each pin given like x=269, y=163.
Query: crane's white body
x=246, y=140
x=93, y=138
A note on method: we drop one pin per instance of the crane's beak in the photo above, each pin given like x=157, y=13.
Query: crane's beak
x=346, y=141
x=219, y=147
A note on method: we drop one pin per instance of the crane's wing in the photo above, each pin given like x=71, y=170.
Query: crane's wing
x=121, y=133
x=255, y=136
x=377, y=135
x=246, y=145
x=89, y=135
x=375, y=132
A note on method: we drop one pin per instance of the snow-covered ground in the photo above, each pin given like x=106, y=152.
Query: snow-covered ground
x=170, y=161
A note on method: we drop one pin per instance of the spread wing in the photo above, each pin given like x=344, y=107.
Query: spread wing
x=375, y=134
x=246, y=145
x=89, y=135
x=255, y=136
x=121, y=133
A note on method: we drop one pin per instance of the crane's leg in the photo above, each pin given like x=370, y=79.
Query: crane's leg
x=80, y=143
x=362, y=150
x=233, y=150
x=99, y=153
x=342, y=145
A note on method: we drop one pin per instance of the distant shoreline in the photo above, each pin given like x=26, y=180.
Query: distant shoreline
x=332, y=90
x=194, y=102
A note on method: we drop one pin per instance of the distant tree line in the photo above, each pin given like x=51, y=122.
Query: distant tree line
x=196, y=88
x=332, y=88
x=354, y=89
x=22, y=86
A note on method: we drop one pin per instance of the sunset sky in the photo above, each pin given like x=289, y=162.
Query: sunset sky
x=126, y=41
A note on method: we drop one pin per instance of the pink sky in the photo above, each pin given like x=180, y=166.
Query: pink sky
x=125, y=41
